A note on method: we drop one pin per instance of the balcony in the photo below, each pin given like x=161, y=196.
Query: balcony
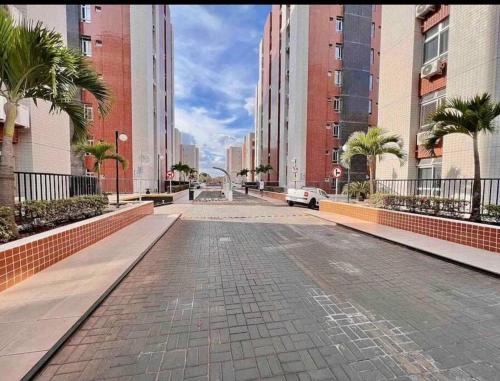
x=23, y=114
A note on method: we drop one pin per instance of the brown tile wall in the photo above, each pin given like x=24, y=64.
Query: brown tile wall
x=465, y=233
x=19, y=263
x=276, y=195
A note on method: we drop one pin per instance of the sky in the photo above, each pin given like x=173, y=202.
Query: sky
x=215, y=73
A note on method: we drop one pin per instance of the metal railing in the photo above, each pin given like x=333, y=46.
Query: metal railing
x=453, y=189
x=52, y=186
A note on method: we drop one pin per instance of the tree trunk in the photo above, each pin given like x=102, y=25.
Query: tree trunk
x=371, y=169
x=476, y=186
x=7, y=180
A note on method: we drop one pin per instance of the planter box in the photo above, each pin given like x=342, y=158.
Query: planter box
x=276, y=195
x=462, y=232
x=25, y=257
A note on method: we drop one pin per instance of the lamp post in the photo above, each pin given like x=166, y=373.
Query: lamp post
x=123, y=137
x=160, y=157
x=344, y=148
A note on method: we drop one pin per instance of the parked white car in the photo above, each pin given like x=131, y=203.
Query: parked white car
x=306, y=196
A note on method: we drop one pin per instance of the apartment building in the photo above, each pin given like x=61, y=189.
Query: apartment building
x=318, y=83
x=429, y=53
x=248, y=155
x=190, y=155
x=177, y=149
x=234, y=161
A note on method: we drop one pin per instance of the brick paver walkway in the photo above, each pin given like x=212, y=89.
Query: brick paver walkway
x=267, y=292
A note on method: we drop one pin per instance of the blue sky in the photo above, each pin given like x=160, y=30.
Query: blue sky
x=215, y=73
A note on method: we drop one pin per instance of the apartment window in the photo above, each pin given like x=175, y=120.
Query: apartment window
x=98, y=8
x=369, y=106
x=371, y=82
x=338, y=77
x=88, y=112
x=430, y=103
x=338, y=51
x=85, y=13
x=372, y=56
x=373, y=30
x=86, y=45
x=335, y=155
x=436, y=41
x=339, y=24
x=330, y=73
x=98, y=43
x=336, y=130
x=337, y=104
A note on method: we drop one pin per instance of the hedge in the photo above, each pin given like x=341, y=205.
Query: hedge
x=274, y=189
x=8, y=227
x=51, y=213
x=429, y=205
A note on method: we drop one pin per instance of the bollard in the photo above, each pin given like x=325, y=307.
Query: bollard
x=246, y=190
x=191, y=194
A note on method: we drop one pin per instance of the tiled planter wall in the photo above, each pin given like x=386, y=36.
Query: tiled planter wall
x=482, y=236
x=22, y=258
x=276, y=195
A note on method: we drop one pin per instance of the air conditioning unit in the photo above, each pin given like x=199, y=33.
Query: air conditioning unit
x=431, y=68
x=422, y=137
x=423, y=9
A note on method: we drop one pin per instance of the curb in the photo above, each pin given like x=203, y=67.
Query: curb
x=421, y=251
x=52, y=351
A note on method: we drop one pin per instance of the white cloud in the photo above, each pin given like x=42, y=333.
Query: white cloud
x=250, y=105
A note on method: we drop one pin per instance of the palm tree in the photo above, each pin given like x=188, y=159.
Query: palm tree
x=372, y=144
x=243, y=173
x=471, y=117
x=35, y=64
x=101, y=151
x=261, y=168
x=179, y=167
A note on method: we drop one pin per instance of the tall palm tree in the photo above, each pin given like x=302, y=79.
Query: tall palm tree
x=35, y=64
x=372, y=144
x=471, y=116
x=101, y=151
x=243, y=173
x=265, y=169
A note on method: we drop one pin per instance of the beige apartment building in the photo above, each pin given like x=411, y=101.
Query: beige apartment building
x=248, y=155
x=233, y=161
x=190, y=155
x=430, y=53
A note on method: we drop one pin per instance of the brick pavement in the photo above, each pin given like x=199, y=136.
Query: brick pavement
x=267, y=292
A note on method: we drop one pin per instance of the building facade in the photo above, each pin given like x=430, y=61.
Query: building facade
x=234, y=161
x=190, y=155
x=318, y=84
x=429, y=54
x=248, y=155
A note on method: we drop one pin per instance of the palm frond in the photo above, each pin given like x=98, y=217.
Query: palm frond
x=117, y=157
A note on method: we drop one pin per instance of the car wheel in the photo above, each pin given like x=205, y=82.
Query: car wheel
x=312, y=204
x=290, y=203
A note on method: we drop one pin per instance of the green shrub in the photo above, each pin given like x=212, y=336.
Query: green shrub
x=274, y=189
x=49, y=213
x=8, y=227
x=377, y=199
x=429, y=205
x=356, y=188
x=492, y=212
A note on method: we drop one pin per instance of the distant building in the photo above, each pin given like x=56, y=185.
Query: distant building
x=177, y=150
x=248, y=155
x=190, y=155
x=233, y=161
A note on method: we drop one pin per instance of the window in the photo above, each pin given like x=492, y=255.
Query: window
x=373, y=30
x=85, y=13
x=88, y=112
x=86, y=45
x=98, y=8
x=338, y=77
x=436, y=41
x=372, y=56
x=429, y=176
x=370, y=85
x=98, y=43
x=335, y=155
x=338, y=51
x=336, y=130
x=329, y=73
x=339, y=24
x=429, y=104
x=337, y=104
x=369, y=106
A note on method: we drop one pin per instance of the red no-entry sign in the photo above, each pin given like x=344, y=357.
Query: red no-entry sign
x=337, y=171
x=170, y=175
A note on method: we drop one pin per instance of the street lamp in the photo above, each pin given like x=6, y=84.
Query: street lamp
x=160, y=157
x=344, y=148
x=123, y=137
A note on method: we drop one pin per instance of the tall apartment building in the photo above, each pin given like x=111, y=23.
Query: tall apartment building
x=430, y=53
x=234, y=161
x=41, y=140
x=190, y=155
x=177, y=150
x=248, y=155
x=318, y=83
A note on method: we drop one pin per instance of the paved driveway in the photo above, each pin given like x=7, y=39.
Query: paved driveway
x=247, y=292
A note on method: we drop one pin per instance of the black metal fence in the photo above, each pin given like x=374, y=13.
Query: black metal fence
x=453, y=189
x=52, y=186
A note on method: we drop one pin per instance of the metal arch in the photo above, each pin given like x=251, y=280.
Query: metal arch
x=223, y=170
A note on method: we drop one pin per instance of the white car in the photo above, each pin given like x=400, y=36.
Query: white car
x=306, y=196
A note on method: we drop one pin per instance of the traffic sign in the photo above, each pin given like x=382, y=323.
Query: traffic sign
x=170, y=174
x=337, y=171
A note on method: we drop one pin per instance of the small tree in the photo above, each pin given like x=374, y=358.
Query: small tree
x=265, y=169
x=36, y=64
x=244, y=172
x=372, y=144
x=471, y=117
x=101, y=152
x=181, y=168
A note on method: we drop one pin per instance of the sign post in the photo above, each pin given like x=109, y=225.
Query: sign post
x=294, y=170
x=170, y=174
x=337, y=172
